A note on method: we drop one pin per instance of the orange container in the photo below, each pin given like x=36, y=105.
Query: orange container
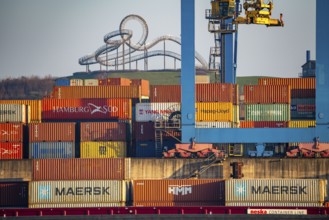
x=11, y=132
x=179, y=192
x=295, y=83
x=80, y=169
x=52, y=132
x=103, y=131
x=34, y=108
x=86, y=109
x=11, y=150
x=214, y=92
x=165, y=93
x=80, y=92
x=145, y=85
x=267, y=94
x=114, y=81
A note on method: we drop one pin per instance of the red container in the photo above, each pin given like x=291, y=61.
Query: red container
x=11, y=150
x=295, y=83
x=14, y=194
x=263, y=124
x=268, y=94
x=303, y=93
x=103, y=131
x=165, y=93
x=52, y=132
x=143, y=131
x=86, y=109
x=114, y=81
x=214, y=92
x=179, y=192
x=11, y=132
x=145, y=86
x=80, y=169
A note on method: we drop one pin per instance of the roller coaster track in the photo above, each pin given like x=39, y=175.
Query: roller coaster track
x=108, y=54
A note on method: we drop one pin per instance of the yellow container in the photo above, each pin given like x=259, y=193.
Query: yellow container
x=214, y=111
x=301, y=124
x=34, y=108
x=107, y=149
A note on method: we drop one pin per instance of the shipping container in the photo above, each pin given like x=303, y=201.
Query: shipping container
x=90, y=82
x=78, y=193
x=263, y=124
x=267, y=112
x=165, y=93
x=214, y=111
x=11, y=132
x=267, y=94
x=51, y=150
x=145, y=86
x=156, y=111
x=302, y=93
x=214, y=92
x=303, y=109
x=86, y=109
x=213, y=124
x=13, y=195
x=302, y=124
x=52, y=132
x=34, y=107
x=103, y=131
x=11, y=150
x=81, y=169
x=275, y=192
x=85, y=92
x=62, y=82
x=295, y=83
x=143, y=131
x=14, y=113
x=179, y=192
x=145, y=149
x=76, y=82
x=102, y=149
x=202, y=79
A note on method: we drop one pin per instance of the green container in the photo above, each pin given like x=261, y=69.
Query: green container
x=267, y=112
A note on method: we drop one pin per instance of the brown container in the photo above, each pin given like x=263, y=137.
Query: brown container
x=52, y=132
x=80, y=92
x=179, y=192
x=14, y=194
x=295, y=83
x=214, y=92
x=268, y=94
x=114, y=81
x=11, y=132
x=303, y=93
x=143, y=131
x=145, y=86
x=263, y=124
x=81, y=169
x=103, y=131
x=165, y=93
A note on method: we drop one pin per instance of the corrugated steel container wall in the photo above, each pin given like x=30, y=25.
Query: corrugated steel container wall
x=214, y=92
x=214, y=111
x=35, y=107
x=302, y=124
x=145, y=86
x=303, y=93
x=155, y=111
x=52, y=132
x=11, y=132
x=79, y=193
x=235, y=94
x=271, y=191
x=118, y=81
x=263, y=124
x=108, y=92
x=303, y=108
x=179, y=192
x=76, y=82
x=266, y=94
x=90, y=82
x=165, y=93
x=236, y=115
x=11, y=150
x=275, y=204
x=213, y=124
x=295, y=83
x=146, y=149
x=13, y=194
x=13, y=113
x=103, y=131
x=62, y=82
x=86, y=109
x=143, y=131
x=102, y=149
x=51, y=150
x=81, y=169
x=267, y=112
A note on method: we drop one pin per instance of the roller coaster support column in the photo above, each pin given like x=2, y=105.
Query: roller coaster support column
x=188, y=70
x=322, y=69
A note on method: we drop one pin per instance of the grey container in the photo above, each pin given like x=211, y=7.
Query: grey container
x=275, y=192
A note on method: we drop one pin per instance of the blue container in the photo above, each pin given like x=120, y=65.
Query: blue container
x=147, y=148
x=51, y=150
x=62, y=82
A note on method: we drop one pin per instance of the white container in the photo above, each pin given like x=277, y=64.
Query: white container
x=156, y=111
x=78, y=193
x=76, y=82
x=275, y=192
x=213, y=124
x=14, y=113
x=90, y=82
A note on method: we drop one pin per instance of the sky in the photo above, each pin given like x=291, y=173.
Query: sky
x=47, y=37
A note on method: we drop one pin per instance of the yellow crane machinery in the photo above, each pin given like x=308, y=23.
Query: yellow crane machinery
x=258, y=12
